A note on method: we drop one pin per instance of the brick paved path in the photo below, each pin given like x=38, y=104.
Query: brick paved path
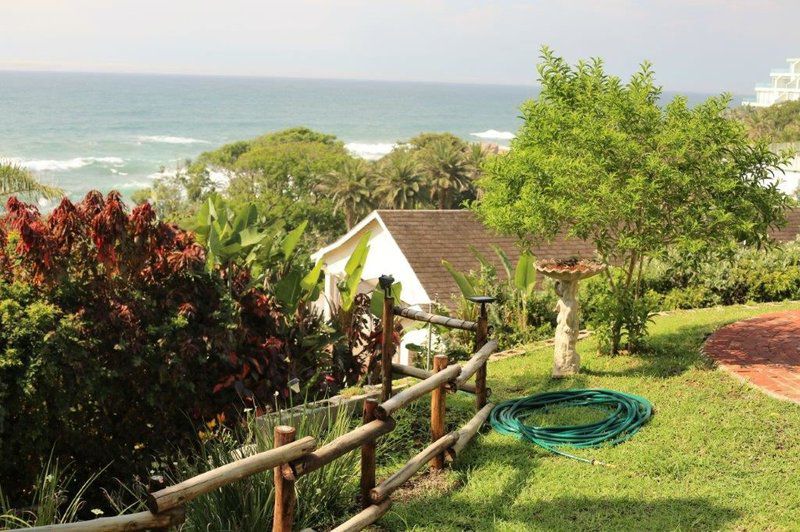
x=764, y=351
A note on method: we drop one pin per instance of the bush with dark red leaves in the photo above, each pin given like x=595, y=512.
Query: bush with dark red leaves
x=117, y=345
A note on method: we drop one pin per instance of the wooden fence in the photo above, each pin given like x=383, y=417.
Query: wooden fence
x=291, y=458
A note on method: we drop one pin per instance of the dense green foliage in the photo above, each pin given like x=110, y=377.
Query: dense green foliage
x=605, y=162
x=120, y=334
x=520, y=313
x=776, y=123
x=717, y=455
x=323, y=496
x=750, y=275
x=302, y=175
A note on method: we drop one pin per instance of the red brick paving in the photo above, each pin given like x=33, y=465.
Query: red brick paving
x=764, y=351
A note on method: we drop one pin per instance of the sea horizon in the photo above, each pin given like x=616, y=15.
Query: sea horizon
x=114, y=130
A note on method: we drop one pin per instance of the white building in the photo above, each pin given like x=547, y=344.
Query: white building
x=784, y=86
x=789, y=180
x=410, y=246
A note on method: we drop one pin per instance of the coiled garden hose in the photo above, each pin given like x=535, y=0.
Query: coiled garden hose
x=627, y=413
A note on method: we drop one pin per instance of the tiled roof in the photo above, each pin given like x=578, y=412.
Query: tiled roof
x=426, y=237
x=792, y=228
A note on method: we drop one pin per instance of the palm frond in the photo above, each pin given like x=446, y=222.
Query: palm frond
x=15, y=180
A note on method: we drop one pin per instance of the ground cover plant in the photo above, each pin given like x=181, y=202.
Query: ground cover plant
x=718, y=454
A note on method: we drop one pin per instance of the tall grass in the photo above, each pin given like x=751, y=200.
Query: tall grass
x=52, y=501
x=323, y=496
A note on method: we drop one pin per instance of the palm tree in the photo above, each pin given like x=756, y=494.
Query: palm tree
x=15, y=180
x=476, y=155
x=401, y=183
x=349, y=189
x=447, y=170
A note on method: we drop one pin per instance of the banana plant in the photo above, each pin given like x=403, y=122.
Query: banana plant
x=348, y=287
x=521, y=278
x=229, y=234
x=237, y=236
x=524, y=283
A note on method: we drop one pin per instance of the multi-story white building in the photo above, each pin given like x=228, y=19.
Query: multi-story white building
x=784, y=86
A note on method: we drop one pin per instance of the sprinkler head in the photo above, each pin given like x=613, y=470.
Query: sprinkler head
x=483, y=300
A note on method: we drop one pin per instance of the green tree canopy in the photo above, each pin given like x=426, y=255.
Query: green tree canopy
x=281, y=172
x=602, y=160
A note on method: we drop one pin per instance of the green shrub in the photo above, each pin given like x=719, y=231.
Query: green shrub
x=619, y=319
x=118, y=338
x=749, y=274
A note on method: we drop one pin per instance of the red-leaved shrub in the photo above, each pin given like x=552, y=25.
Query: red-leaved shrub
x=116, y=344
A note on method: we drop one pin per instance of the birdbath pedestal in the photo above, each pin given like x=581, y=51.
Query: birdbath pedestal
x=567, y=273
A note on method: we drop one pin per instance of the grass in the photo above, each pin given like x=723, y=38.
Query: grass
x=718, y=454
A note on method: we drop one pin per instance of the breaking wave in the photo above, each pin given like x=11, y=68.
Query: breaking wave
x=368, y=151
x=60, y=165
x=168, y=139
x=493, y=134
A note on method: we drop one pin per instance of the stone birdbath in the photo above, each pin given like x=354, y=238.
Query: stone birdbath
x=567, y=273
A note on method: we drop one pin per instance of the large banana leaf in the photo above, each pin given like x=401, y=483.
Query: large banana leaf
x=464, y=283
x=525, y=273
x=504, y=260
x=291, y=239
x=311, y=279
x=348, y=288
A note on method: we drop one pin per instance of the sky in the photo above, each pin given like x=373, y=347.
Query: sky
x=695, y=45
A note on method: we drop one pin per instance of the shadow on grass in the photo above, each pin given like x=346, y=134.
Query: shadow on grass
x=565, y=513
x=667, y=355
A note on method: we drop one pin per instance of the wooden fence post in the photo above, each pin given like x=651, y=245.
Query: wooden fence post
x=481, y=335
x=438, y=410
x=368, y=456
x=155, y=483
x=285, y=499
x=387, y=344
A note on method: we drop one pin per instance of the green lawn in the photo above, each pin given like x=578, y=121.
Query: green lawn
x=718, y=454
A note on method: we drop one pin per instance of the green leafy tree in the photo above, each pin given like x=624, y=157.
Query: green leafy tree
x=602, y=160
x=281, y=173
x=776, y=123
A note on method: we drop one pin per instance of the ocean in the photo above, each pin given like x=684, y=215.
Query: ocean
x=84, y=131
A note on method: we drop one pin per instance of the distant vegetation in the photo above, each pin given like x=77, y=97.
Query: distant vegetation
x=777, y=123
x=306, y=175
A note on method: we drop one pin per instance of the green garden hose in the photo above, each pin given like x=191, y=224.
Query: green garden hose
x=627, y=413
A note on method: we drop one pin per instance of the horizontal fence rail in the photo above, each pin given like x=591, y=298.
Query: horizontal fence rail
x=385, y=488
x=422, y=374
x=413, y=393
x=446, y=321
x=187, y=490
x=341, y=446
x=291, y=459
x=138, y=521
x=476, y=362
